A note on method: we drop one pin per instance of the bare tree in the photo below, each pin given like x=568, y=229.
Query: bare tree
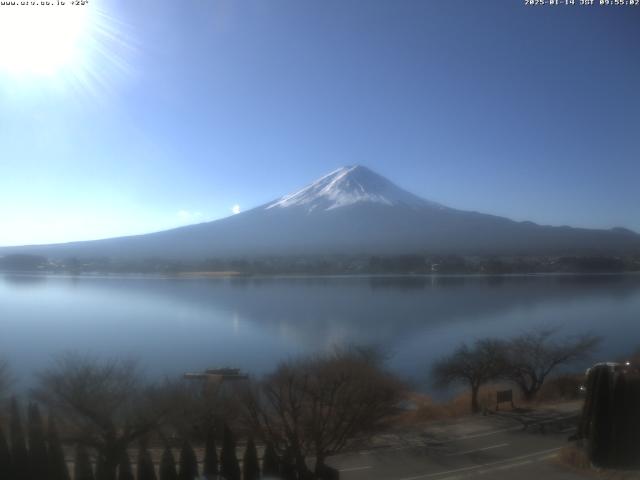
x=472, y=365
x=533, y=355
x=105, y=404
x=194, y=408
x=319, y=406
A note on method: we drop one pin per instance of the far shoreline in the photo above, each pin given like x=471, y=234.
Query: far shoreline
x=241, y=275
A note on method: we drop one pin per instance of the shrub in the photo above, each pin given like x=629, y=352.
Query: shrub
x=563, y=387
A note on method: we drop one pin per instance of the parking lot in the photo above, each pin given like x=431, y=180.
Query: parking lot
x=515, y=444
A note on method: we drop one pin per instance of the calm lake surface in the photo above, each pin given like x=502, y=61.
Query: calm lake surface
x=178, y=325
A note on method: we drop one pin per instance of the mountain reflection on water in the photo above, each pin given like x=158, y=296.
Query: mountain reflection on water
x=176, y=324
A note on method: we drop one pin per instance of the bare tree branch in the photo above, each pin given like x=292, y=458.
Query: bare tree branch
x=318, y=406
x=472, y=365
x=106, y=404
x=533, y=355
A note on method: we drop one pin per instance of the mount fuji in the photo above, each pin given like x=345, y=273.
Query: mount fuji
x=352, y=210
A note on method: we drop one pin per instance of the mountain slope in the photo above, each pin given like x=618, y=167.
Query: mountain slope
x=352, y=211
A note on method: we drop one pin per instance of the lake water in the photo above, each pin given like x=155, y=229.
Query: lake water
x=178, y=325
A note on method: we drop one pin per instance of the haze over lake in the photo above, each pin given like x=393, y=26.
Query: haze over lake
x=176, y=325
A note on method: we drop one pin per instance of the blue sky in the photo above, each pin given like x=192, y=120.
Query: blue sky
x=174, y=112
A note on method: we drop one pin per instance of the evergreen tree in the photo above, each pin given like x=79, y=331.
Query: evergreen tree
x=229, y=467
x=625, y=437
x=38, y=462
x=619, y=421
x=250, y=466
x=125, y=472
x=210, y=456
x=270, y=462
x=168, y=466
x=101, y=468
x=600, y=432
x=19, y=453
x=188, y=463
x=82, y=468
x=146, y=471
x=288, y=470
x=58, y=469
x=5, y=457
x=611, y=419
x=633, y=425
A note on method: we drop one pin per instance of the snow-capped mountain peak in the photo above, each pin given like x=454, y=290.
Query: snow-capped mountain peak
x=347, y=186
x=351, y=211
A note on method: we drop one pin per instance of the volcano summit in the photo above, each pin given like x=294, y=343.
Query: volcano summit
x=352, y=210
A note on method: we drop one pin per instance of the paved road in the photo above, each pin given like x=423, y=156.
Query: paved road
x=486, y=447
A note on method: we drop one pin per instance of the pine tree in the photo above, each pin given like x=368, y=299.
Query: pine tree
x=125, y=472
x=101, y=468
x=19, y=453
x=229, y=467
x=58, y=469
x=38, y=461
x=633, y=421
x=82, y=468
x=188, y=463
x=210, y=456
x=619, y=420
x=146, y=471
x=611, y=418
x=625, y=438
x=287, y=470
x=168, y=466
x=250, y=466
x=600, y=432
x=270, y=462
x=5, y=457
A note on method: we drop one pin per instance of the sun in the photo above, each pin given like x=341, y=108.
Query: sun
x=80, y=47
x=42, y=39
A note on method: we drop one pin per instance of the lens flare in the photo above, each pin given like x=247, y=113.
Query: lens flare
x=75, y=43
x=40, y=39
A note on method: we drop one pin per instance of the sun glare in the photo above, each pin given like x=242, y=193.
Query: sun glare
x=79, y=48
x=42, y=39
